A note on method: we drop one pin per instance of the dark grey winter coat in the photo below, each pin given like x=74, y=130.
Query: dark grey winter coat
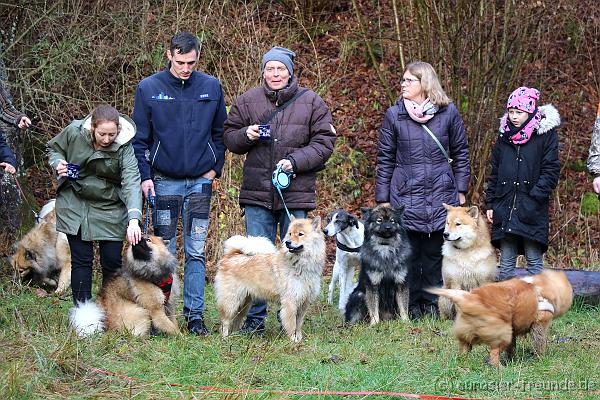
x=522, y=180
x=303, y=133
x=412, y=171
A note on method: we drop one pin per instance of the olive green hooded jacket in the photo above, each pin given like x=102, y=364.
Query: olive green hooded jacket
x=107, y=193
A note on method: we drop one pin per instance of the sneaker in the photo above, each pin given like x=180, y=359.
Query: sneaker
x=253, y=326
x=197, y=327
x=414, y=313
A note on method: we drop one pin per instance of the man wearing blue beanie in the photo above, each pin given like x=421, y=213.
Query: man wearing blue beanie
x=301, y=141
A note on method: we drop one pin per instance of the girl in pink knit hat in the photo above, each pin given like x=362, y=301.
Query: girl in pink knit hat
x=525, y=169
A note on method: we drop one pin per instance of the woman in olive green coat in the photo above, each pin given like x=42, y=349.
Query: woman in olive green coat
x=103, y=203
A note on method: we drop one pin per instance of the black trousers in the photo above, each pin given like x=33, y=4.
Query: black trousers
x=82, y=261
x=425, y=267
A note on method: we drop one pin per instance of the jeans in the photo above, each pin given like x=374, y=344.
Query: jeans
x=82, y=261
x=425, y=268
x=190, y=199
x=509, y=251
x=261, y=221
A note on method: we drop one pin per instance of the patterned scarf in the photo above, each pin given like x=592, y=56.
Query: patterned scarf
x=522, y=134
x=420, y=113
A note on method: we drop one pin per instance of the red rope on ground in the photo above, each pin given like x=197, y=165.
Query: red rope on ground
x=296, y=392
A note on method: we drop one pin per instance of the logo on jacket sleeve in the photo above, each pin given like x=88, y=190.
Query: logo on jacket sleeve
x=162, y=96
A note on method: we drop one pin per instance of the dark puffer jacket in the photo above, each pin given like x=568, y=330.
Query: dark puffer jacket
x=412, y=171
x=303, y=133
x=522, y=180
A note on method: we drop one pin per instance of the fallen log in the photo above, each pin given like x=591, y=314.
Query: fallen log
x=585, y=284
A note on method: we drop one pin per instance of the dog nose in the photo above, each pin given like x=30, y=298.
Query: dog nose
x=288, y=243
x=446, y=235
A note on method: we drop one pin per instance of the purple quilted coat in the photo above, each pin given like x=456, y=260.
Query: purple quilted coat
x=412, y=170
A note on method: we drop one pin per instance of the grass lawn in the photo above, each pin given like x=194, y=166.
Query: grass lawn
x=40, y=357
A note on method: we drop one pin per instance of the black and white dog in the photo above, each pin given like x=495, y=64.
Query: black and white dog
x=349, y=236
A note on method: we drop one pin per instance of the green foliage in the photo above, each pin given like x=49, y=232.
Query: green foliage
x=345, y=172
x=42, y=358
x=590, y=204
x=577, y=165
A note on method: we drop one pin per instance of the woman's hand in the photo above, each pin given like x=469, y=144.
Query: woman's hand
x=61, y=168
x=490, y=216
x=8, y=168
x=596, y=184
x=134, y=233
x=462, y=199
x=385, y=204
x=24, y=122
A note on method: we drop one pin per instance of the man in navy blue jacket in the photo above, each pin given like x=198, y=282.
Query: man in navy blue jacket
x=179, y=113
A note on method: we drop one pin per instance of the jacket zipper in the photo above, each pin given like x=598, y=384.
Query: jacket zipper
x=155, y=153
x=213, y=152
x=514, y=202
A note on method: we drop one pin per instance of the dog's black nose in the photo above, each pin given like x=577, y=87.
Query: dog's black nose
x=446, y=235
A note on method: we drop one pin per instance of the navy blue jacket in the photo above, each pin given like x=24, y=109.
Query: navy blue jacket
x=412, y=171
x=179, y=125
x=6, y=154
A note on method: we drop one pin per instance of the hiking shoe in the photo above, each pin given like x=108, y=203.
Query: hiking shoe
x=414, y=313
x=432, y=310
x=197, y=327
x=253, y=326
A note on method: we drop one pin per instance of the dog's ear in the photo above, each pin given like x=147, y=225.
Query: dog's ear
x=400, y=209
x=473, y=212
x=447, y=206
x=316, y=223
x=365, y=212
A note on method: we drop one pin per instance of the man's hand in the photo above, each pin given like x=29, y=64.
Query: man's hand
x=8, y=168
x=148, y=185
x=24, y=122
x=286, y=165
x=61, y=168
x=210, y=174
x=134, y=233
x=490, y=216
x=252, y=133
x=462, y=199
x=596, y=184
x=385, y=204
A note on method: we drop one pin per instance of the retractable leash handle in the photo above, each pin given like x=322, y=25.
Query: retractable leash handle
x=282, y=179
x=150, y=204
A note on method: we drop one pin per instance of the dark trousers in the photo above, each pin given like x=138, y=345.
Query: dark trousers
x=82, y=261
x=425, y=268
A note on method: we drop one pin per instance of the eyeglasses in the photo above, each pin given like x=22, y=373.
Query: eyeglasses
x=408, y=81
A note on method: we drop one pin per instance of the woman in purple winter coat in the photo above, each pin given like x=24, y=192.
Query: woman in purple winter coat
x=423, y=162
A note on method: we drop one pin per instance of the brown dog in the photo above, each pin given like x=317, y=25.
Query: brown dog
x=141, y=297
x=496, y=313
x=252, y=268
x=469, y=257
x=42, y=255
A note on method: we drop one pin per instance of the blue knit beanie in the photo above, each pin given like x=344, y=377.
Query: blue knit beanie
x=281, y=54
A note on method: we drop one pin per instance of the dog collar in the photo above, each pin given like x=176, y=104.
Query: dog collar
x=165, y=285
x=343, y=247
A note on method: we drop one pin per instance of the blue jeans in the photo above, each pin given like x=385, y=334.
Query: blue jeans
x=509, y=249
x=261, y=221
x=189, y=198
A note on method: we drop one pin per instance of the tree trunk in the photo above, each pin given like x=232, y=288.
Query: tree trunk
x=585, y=284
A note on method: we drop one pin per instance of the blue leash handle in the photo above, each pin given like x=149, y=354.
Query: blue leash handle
x=150, y=203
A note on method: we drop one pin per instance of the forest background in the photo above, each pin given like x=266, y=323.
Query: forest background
x=59, y=59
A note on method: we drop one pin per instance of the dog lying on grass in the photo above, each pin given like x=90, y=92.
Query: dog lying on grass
x=496, y=313
x=43, y=256
x=252, y=268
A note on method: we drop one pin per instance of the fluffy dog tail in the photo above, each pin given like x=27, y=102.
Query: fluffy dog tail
x=248, y=245
x=87, y=318
x=456, y=295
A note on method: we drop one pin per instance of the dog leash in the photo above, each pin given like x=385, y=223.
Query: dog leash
x=284, y=205
x=150, y=203
x=24, y=199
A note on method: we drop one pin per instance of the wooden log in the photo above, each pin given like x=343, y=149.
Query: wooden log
x=585, y=284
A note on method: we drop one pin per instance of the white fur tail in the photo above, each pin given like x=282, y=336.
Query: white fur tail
x=248, y=245
x=87, y=318
x=49, y=206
